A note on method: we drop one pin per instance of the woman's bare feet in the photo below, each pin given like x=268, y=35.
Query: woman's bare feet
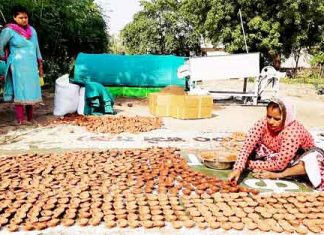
x=262, y=174
x=21, y=123
x=33, y=122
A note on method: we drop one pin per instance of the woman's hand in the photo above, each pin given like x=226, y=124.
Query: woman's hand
x=40, y=69
x=262, y=174
x=234, y=176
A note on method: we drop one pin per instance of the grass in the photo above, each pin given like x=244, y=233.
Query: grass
x=304, y=77
x=307, y=77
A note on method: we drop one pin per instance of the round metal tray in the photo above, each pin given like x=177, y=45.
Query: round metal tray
x=218, y=165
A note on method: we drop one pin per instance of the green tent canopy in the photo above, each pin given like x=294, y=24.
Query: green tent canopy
x=128, y=70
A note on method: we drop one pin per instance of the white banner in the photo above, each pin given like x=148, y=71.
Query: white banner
x=225, y=67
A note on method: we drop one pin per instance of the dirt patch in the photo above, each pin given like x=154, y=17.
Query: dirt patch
x=174, y=90
x=227, y=114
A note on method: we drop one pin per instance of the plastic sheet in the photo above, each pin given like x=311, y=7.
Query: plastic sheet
x=128, y=70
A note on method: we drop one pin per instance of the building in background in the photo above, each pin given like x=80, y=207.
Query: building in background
x=303, y=61
x=207, y=48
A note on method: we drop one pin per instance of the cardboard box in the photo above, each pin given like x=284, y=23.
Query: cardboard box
x=160, y=104
x=190, y=113
x=180, y=106
x=162, y=111
x=194, y=101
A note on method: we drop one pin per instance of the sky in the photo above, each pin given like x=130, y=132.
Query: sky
x=120, y=12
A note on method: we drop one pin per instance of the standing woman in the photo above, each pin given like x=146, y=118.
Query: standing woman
x=20, y=50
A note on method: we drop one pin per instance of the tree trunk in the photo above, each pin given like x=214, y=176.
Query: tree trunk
x=296, y=58
x=276, y=61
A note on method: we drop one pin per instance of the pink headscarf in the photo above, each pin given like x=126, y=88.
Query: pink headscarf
x=287, y=109
x=27, y=33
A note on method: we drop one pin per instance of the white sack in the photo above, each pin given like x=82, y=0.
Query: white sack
x=66, y=96
x=81, y=101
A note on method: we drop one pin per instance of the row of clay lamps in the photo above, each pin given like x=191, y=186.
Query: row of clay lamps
x=234, y=141
x=114, y=125
x=276, y=213
x=41, y=190
x=139, y=187
x=286, y=212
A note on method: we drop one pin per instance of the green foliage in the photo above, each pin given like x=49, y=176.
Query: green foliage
x=64, y=28
x=160, y=28
x=116, y=46
x=311, y=77
x=318, y=59
x=272, y=27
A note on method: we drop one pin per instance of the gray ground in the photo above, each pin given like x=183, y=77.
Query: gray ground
x=228, y=116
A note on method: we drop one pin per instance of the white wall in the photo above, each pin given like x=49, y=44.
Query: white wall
x=303, y=62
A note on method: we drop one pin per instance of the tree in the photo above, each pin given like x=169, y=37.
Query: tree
x=116, y=45
x=160, y=28
x=64, y=28
x=318, y=60
x=272, y=27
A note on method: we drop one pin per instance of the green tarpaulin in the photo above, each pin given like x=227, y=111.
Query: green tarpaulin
x=137, y=92
x=98, y=100
x=2, y=68
x=128, y=70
